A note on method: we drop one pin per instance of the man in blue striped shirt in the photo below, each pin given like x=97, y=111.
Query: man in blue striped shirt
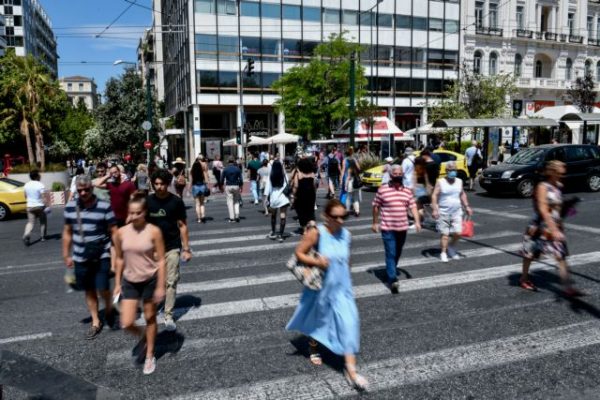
x=89, y=226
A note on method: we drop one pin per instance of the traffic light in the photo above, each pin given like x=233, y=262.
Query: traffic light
x=250, y=67
x=238, y=136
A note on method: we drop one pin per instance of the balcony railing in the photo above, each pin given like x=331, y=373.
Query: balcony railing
x=594, y=42
x=575, y=39
x=524, y=33
x=484, y=30
x=550, y=36
x=545, y=83
x=539, y=35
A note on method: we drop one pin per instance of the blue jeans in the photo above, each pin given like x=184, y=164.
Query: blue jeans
x=254, y=190
x=393, y=242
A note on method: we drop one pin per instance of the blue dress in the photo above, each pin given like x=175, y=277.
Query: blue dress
x=329, y=315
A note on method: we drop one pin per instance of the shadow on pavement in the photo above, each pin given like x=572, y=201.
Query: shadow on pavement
x=330, y=359
x=168, y=343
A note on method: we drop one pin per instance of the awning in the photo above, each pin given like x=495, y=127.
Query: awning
x=230, y=142
x=425, y=130
x=257, y=141
x=494, y=123
x=283, y=138
x=589, y=118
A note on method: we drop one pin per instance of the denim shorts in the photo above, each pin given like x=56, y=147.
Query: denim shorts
x=92, y=275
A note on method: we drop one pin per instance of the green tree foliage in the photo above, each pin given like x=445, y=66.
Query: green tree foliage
x=316, y=95
x=71, y=127
x=582, y=93
x=120, y=117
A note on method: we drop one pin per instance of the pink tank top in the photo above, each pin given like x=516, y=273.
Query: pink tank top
x=138, y=253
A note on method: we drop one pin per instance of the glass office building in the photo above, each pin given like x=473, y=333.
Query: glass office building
x=411, y=50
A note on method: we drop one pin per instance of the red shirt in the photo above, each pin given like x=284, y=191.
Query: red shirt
x=119, y=198
x=394, y=205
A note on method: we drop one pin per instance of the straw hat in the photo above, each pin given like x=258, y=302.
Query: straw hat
x=179, y=160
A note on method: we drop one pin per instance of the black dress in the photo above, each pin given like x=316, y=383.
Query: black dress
x=304, y=204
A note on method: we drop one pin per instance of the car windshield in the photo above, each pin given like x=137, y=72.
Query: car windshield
x=527, y=157
x=12, y=182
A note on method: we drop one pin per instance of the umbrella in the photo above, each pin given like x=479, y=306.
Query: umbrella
x=257, y=141
x=230, y=142
x=283, y=138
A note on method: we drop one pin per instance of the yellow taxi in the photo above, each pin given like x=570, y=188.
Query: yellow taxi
x=372, y=177
x=12, y=198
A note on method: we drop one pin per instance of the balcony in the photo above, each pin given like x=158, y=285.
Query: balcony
x=484, y=30
x=575, y=39
x=550, y=36
x=541, y=83
x=594, y=42
x=524, y=33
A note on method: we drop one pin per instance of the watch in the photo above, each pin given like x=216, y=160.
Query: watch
x=187, y=250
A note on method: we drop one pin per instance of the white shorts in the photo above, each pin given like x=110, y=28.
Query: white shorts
x=448, y=224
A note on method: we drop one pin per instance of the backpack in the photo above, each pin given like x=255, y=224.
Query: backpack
x=333, y=167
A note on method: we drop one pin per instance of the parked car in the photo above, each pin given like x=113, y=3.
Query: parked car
x=12, y=198
x=372, y=177
x=523, y=171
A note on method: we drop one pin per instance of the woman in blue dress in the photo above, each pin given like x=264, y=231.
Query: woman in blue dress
x=329, y=316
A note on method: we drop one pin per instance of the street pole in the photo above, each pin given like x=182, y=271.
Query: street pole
x=148, y=112
x=242, y=113
x=352, y=94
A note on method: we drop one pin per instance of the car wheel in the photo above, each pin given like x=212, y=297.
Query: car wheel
x=526, y=187
x=593, y=182
x=4, y=212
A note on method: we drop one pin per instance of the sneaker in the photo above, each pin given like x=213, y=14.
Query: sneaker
x=279, y=238
x=444, y=257
x=231, y=221
x=255, y=202
x=394, y=287
x=411, y=227
x=93, y=331
x=237, y=220
x=26, y=241
x=272, y=236
x=170, y=325
x=149, y=365
x=453, y=254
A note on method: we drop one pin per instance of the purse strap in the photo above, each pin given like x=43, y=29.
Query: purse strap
x=79, y=223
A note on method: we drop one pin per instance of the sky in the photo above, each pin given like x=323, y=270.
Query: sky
x=76, y=24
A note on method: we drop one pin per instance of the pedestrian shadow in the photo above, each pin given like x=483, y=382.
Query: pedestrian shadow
x=381, y=273
x=432, y=252
x=183, y=304
x=546, y=280
x=168, y=343
x=330, y=359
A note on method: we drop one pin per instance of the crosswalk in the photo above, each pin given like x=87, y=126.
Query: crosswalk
x=449, y=320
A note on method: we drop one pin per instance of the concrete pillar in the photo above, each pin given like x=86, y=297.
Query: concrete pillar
x=554, y=27
x=538, y=22
x=280, y=122
x=197, y=146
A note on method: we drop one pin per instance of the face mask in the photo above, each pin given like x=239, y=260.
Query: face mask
x=397, y=180
x=452, y=174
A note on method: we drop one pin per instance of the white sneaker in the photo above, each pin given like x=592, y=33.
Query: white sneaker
x=411, y=227
x=255, y=202
x=170, y=325
x=444, y=257
x=453, y=253
x=149, y=365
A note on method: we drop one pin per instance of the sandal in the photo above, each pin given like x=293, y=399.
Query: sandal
x=528, y=285
x=359, y=383
x=93, y=331
x=315, y=357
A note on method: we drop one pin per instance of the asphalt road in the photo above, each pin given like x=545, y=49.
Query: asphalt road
x=461, y=330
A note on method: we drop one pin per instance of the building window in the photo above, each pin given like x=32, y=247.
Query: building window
x=538, y=69
x=385, y=20
x=270, y=10
x=250, y=47
x=81, y=87
x=569, y=70
x=206, y=46
x=520, y=17
x=590, y=25
x=270, y=49
x=228, y=80
x=366, y=19
x=479, y=14
x=292, y=50
x=419, y=23
x=331, y=16
x=228, y=48
x=493, y=64
x=477, y=62
x=571, y=23
x=311, y=14
x=206, y=6
x=493, y=15
x=588, y=67
x=403, y=22
x=207, y=80
x=436, y=25
x=349, y=17
x=226, y=7
x=451, y=26
x=291, y=12
x=518, y=64
x=69, y=86
x=249, y=9
x=598, y=71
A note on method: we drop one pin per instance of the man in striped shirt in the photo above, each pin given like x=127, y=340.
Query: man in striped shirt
x=393, y=201
x=89, y=226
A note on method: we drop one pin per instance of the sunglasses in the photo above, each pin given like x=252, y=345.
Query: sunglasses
x=84, y=190
x=337, y=217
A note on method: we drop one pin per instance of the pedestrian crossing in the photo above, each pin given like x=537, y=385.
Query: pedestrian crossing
x=448, y=321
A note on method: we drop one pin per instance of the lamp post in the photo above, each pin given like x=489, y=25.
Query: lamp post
x=147, y=125
x=353, y=77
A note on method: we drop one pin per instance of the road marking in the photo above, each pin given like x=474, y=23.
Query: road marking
x=369, y=290
x=290, y=245
x=254, y=280
x=409, y=370
x=575, y=227
x=25, y=338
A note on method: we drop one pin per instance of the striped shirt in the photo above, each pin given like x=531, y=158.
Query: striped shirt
x=96, y=222
x=394, y=205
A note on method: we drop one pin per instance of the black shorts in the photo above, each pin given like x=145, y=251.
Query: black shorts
x=92, y=275
x=138, y=290
x=473, y=170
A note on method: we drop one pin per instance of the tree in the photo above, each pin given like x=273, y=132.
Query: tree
x=120, y=117
x=27, y=91
x=73, y=122
x=315, y=95
x=582, y=93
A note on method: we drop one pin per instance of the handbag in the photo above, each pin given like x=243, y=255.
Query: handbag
x=309, y=276
x=92, y=251
x=468, y=228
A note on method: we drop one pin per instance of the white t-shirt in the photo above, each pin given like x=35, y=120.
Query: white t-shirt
x=408, y=168
x=449, y=198
x=470, y=154
x=34, y=192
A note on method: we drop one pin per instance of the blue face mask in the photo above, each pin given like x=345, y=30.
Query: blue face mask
x=452, y=174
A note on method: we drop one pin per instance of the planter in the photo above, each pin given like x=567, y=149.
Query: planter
x=47, y=178
x=59, y=198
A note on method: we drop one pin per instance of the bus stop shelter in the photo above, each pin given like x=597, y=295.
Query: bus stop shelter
x=487, y=123
x=587, y=119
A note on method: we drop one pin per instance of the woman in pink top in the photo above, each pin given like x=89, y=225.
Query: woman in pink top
x=140, y=275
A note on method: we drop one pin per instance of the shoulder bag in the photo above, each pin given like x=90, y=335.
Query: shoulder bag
x=309, y=276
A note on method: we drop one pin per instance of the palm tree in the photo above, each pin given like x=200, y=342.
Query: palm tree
x=26, y=85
